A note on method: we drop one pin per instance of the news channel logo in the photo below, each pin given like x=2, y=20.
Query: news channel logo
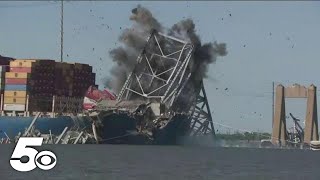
x=44, y=160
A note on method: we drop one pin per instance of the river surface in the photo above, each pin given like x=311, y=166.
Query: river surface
x=123, y=162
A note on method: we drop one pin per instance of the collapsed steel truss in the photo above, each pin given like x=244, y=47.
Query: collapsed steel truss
x=160, y=69
x=201, y=122
x=161, y=73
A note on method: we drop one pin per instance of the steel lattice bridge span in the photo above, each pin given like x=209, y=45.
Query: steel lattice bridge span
x=163, y=74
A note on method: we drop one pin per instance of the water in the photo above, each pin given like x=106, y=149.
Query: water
x=122, y=162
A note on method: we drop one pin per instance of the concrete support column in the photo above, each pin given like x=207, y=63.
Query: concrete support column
x=311, y=124
x=279, y=130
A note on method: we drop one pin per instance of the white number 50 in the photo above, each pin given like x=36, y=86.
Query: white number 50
x=44, y=160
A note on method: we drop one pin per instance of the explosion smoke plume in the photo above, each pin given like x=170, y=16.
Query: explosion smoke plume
x=134, y=39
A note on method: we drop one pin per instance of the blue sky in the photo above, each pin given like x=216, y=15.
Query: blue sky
x=266, y=41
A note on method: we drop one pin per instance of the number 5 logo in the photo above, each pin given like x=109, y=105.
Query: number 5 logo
x=45, y=160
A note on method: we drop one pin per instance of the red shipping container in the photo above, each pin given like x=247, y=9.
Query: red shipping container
x=16, y=81
x=88, y=106
x=20, y=69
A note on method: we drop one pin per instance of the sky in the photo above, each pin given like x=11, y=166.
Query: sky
x=266, y=41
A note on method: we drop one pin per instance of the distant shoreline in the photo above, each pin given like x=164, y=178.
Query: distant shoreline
x=253, y=136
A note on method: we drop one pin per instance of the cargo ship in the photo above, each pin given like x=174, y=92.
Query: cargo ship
x=66, y=96
x=30, y=86
x=162, y=100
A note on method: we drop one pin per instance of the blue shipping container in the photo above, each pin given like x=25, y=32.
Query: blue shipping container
x=14, y=87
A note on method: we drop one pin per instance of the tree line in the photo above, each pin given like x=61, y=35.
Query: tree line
x=250, y=136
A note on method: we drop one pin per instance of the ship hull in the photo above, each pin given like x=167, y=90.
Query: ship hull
x=13, y=125
x=123, y=129
x=116, y=128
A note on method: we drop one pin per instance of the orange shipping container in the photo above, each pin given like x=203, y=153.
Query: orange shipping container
x=15, y=81
x=22, y=94
x=22, y=63
x=17, y=75
x=14, y=100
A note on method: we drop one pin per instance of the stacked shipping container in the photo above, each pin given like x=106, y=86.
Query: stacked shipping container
x=35, y=82
x=73, y=79
x=41, y=85
x=2, y=78
x=15, y=94
x=64, y=76
x=83, y=78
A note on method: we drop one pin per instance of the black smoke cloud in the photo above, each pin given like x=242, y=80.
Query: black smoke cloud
x=134, y=39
